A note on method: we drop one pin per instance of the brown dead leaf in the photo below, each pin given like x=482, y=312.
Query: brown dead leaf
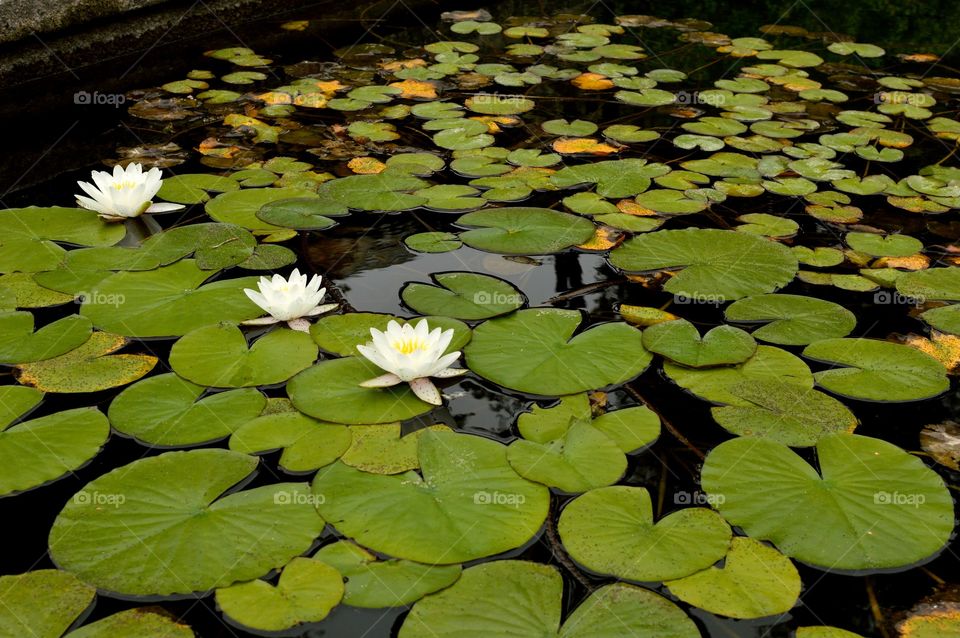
x=942, y=442
x=604, y=238
x=295, y=25
x=396, y=65
x=942, y=347
x=631, y=207
x=582, y=145
x=416, y=89
x=911, y=262
x=592, y=82
x=644, y=316
x=366, y=165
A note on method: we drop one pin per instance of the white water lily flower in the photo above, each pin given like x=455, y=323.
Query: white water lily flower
x=412, y=355
x=292, y=300
x=127, y=193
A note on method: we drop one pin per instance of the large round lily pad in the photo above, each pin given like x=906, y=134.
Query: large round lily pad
x=715, y=265
x=124, y=535
x=218, y=356
x=524, y=231
x=873, y=370
x=611, y=530
x=535, y=351
x=168, y=410
x=467, y=503
x=29, y=235
x=241, y=207
x=871, y=506
x=933, y=284
x=167, y=302
x=473, y=607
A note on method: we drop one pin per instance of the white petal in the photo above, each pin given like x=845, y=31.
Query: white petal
x=300, y=325
x=164, y=207
x=262, y=321
x=426, y=391
x=319, y=310
x=383, y=381
x=449, y=372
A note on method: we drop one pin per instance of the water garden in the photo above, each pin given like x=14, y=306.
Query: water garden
x=580, y=324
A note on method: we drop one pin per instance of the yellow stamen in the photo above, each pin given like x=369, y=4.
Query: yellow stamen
x=407, y=346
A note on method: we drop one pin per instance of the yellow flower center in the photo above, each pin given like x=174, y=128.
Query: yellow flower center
x=119, y=186
x=408, y=346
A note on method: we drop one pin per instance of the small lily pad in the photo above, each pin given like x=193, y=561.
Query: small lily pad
x=307, y=444
x=463, y=295
x=306, y=592
x=680, y=342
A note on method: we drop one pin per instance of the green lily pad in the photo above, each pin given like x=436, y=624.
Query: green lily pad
x=121, y=534
x=89, y=368
x=884, y=245
x=218, y=356
x=30, y=235
x=680, y=342
x=794, y=320
x=240, y=207
x=576, y=128
x=933, y=284
x=167, y=410
x=378, y=584
x=524, y=231
x=330, y=391
x=535, y=351
x=755, y=581
x=383, y=192
x=716, y=384
x=581, y=459
x=20, y=344
x=767, y=225
x=614, y=178
x=433, y=242
x=784, y=412
x=55, y=445
x=131, y=623
x=611, y=530
x=306, y=592
x=42, y=603
x=463, y=295
x=168, y=301
x=466, y=484
x=859, y=49
x=302, y=213
x=872, y=370
x=341, y=334
x=945, y=319
x=473, y=607
x=307, y=444
x=380, y=449
x=717, y=265
x=876, y=506
x=194, y=188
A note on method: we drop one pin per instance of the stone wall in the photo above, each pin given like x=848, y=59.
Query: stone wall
x=22, y=18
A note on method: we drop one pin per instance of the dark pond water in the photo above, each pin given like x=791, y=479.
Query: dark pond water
x=369, y=265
